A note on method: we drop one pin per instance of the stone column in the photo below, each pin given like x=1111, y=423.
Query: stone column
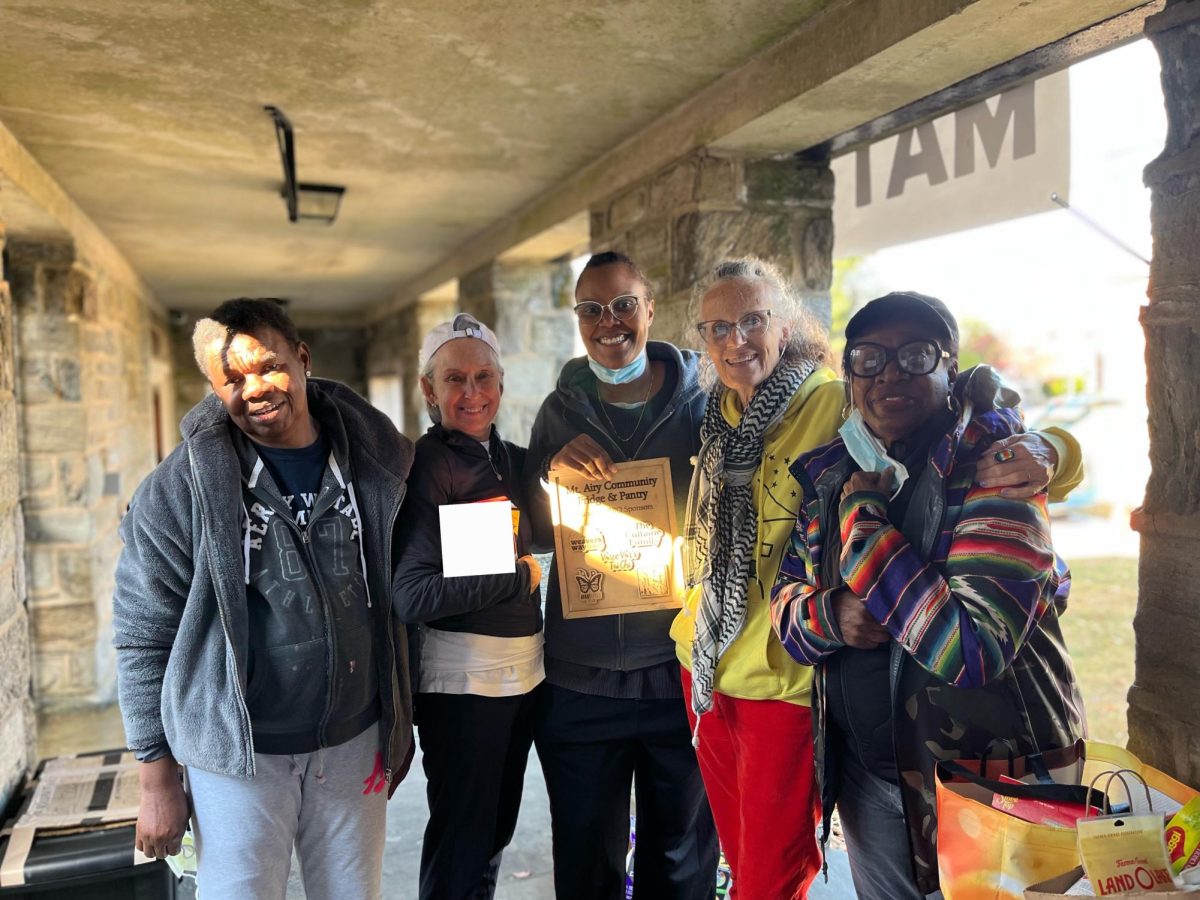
x=87, y=438
x=710, y=207
x=529, y=305
x=1164, y=719
x=393, y=346
x=18, y=723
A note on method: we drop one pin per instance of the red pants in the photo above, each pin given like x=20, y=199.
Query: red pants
x=756, y=759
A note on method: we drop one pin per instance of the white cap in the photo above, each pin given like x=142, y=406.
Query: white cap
x=463, y=325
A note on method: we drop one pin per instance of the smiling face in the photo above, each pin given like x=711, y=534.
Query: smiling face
x=611, y=343
x=894, y=403
x=260, y=380
x=743, y=362
x=465, y=386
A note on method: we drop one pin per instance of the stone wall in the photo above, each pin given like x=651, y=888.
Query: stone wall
x=1164, y=719
x=708, y=207
x=190, y=386
x=87, y=438
x=529, y=305
x=392, y=348
x=340, y=354
x=17, y=724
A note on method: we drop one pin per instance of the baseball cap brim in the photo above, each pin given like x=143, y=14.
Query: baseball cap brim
x=905, y=305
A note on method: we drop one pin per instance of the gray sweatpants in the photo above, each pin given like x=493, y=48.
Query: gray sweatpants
x=325, y=803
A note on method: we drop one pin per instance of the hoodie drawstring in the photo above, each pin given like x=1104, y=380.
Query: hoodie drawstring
x=362, y=555
x=257, y=470
x=320, y=765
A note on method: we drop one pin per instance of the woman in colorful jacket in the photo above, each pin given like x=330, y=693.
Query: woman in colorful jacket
x=480, y=636
x=929, y=604
x=775, y=399
x=611, y=712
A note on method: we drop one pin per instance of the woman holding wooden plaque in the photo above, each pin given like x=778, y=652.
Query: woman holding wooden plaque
x=611, y=712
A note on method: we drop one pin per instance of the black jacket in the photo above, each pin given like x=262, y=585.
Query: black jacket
x=634, y=640
x=450, y=467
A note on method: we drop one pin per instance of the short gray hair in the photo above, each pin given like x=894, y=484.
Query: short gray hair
x=435, y=414
x=206, y=333
x=807, y=338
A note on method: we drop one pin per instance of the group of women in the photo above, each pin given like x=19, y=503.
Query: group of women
x=886, y=534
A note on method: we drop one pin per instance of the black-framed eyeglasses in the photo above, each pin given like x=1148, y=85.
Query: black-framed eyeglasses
x=915, y=358
x=622, y=308
x=718, y=331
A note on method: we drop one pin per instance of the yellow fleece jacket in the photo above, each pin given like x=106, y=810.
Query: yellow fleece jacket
x=756, y=667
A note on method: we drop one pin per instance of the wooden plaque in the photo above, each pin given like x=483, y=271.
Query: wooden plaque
x=616, y=541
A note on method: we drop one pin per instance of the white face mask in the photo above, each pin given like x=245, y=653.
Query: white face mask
x=623, y=375
x=868, y=451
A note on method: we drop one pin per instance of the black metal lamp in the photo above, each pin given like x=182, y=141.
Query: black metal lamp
x=307, y=201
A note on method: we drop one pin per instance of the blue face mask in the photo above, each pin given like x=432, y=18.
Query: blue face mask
x=625, y=374
x=868, y=451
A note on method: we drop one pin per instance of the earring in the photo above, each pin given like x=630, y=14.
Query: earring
x=950, y=404
x=308, y=372
x=846, y=411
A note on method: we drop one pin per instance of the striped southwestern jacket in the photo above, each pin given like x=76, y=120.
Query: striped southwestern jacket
x=970, y=590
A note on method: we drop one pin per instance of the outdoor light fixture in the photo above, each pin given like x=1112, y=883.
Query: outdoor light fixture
x=310, y=202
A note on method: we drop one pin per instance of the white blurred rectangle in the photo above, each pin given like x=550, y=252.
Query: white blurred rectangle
x=477, y=539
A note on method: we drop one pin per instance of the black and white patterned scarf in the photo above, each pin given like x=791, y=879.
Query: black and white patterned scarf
x=722, y=522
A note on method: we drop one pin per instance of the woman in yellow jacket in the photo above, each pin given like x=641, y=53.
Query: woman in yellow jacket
x=773, y=397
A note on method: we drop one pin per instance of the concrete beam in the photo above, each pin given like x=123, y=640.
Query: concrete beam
x=37, y=207
x=856, y=60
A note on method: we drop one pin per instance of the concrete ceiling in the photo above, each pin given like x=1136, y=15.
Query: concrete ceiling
x=463, y=129
x=440, y=116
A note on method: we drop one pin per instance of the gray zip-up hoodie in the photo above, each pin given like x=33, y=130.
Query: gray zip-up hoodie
x=180, y=619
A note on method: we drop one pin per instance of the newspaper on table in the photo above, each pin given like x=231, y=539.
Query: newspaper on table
x=83, y=792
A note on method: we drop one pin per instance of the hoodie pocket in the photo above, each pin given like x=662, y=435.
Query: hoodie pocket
x=356, y=679
x=286, y=686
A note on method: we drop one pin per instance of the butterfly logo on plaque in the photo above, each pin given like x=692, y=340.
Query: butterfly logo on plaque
x=591, y=585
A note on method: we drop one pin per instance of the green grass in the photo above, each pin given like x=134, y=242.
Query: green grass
x=1098, y=628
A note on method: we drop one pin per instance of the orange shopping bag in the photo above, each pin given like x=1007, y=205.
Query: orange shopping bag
x=987, y=854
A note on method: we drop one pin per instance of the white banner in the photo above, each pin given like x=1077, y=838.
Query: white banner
x=996, y=160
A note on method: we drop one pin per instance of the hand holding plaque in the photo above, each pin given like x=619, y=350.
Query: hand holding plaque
x=615, y=540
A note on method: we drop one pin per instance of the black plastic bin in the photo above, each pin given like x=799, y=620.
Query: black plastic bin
x=91, y=865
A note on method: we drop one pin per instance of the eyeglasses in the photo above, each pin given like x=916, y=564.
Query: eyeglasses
x=589, y=312
x=718, y=331
x=915, y=358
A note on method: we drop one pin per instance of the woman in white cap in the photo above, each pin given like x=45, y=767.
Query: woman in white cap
x=479, y=638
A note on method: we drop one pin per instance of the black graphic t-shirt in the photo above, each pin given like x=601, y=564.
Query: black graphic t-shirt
x=311, y=676
x=298, y=473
